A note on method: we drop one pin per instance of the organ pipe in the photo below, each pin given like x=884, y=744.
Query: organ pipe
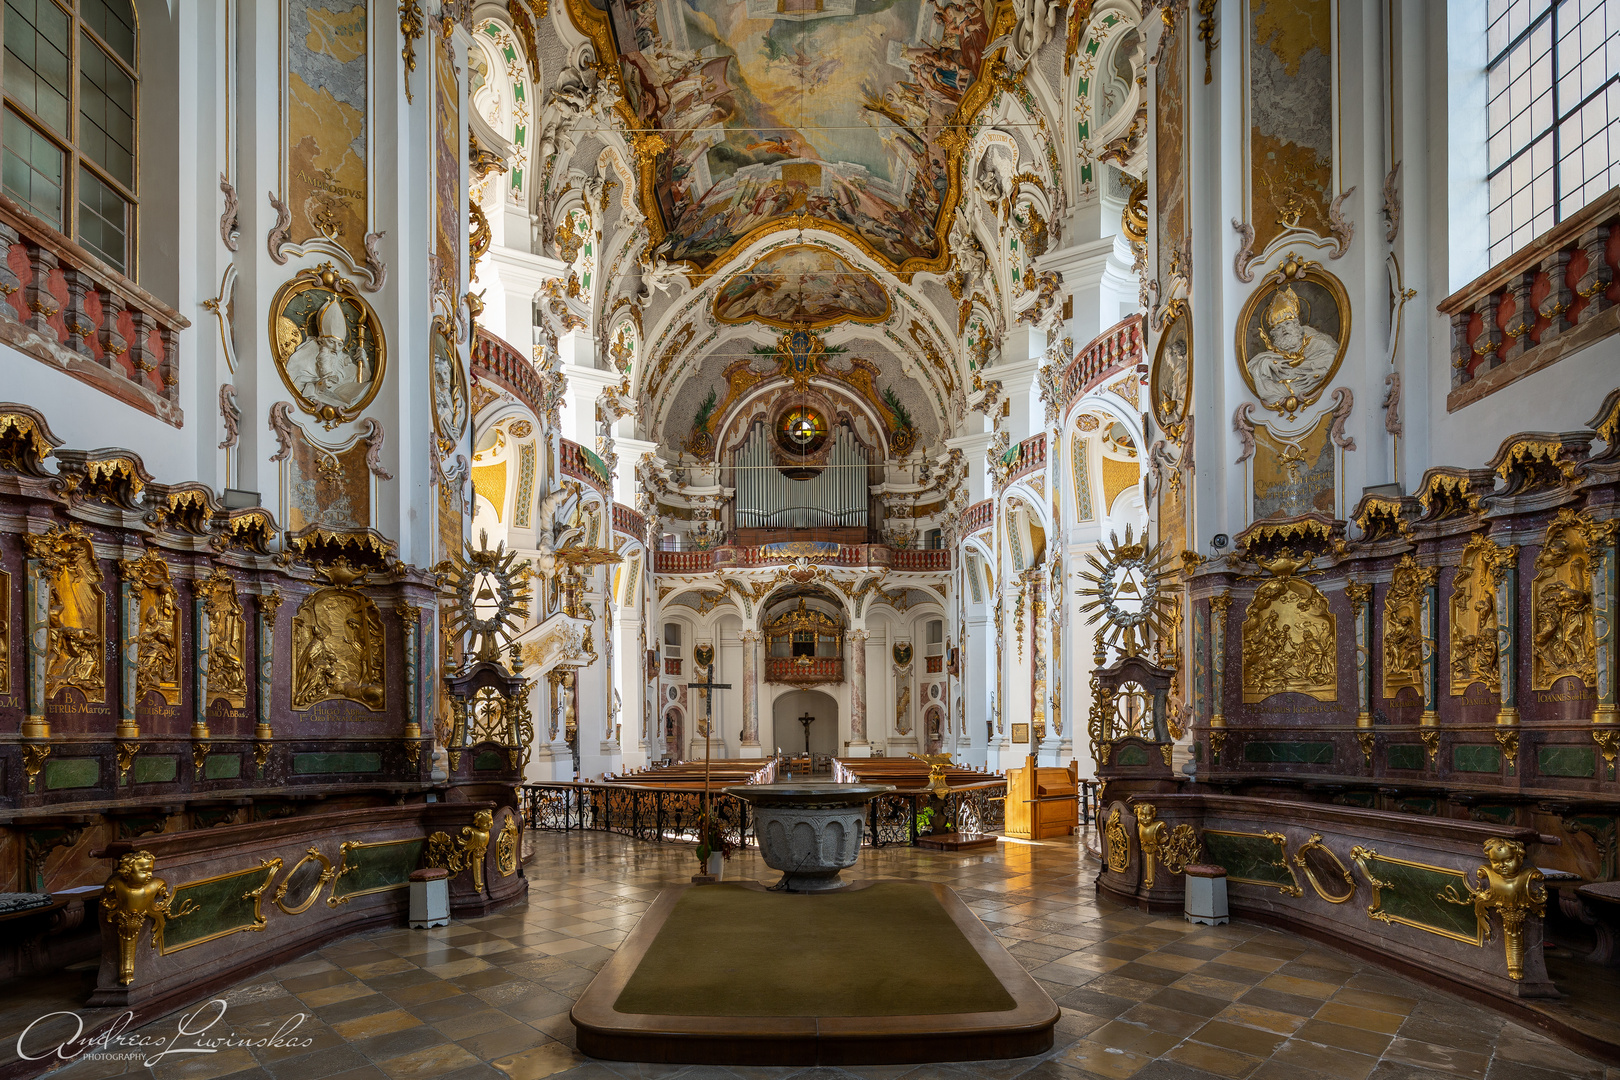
x=768, y=499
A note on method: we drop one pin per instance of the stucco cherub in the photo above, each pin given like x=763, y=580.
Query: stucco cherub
x=1509, y=888
x=130, y=897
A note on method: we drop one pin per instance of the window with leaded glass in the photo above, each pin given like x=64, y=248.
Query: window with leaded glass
x=69, y=74
x=1553, y=80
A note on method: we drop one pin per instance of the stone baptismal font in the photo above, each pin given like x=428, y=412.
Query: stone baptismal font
x=810, y=833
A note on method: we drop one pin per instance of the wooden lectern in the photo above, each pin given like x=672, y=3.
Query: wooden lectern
x=1042, y=802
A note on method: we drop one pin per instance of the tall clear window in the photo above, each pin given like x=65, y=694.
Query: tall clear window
x=1554, y=113
x=67, y=141
x=672, y=640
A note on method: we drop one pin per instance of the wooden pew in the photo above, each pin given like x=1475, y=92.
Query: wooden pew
x=1042, y=801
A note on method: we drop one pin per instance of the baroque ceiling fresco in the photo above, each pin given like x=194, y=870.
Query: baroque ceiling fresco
x=839, y=113
x=802, y=285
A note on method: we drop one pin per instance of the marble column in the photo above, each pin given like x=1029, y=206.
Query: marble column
x=857, y=688
x=750, y=693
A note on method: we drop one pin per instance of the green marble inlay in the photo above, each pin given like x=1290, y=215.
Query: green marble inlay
x=336, y=762
x=1251, y=857
x=489, y=759
x=369, y=868
x=223, y=905
x=1364, y=799
x=1405, y=756
x=1476, y=757
x=1130, y=754
x=73, y=772
x=222, y=767
x=1496, y=815
x=155, y=770
x=1298, y=753
x=1410, y=894
x=1566, y=761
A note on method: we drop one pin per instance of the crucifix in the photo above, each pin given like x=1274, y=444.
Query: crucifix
x=807, y=720
x=709, y=687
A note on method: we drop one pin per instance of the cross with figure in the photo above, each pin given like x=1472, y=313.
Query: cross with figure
x=709, y=686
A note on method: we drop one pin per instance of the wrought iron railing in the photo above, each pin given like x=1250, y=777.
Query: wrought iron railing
x=664, y=815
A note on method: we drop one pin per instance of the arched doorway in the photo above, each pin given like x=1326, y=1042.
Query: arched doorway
x=673, y=734
x=934, y=729
x=789, y=733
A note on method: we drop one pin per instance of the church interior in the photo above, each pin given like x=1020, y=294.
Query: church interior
x=823, y=538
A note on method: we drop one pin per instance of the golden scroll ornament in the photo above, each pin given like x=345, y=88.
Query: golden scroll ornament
x=1119, y=843
x=506, y=848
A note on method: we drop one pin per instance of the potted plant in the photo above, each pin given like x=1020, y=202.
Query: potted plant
x=713, y=848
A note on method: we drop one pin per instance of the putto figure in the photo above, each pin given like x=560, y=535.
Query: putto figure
x=130, y=897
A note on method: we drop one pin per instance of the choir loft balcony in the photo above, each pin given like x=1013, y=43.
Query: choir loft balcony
x=736, y=555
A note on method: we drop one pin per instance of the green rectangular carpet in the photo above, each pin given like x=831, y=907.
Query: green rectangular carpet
x=886, y=950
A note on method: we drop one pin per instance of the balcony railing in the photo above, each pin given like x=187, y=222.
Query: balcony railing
x=1031, y=456
x=804, y=669
x=629, y=522
x=1537, y=306
x=913, y=560
x=583, y=464
x=1115, y=350
x=978, y=516
x=69, y=309
x=500, y=363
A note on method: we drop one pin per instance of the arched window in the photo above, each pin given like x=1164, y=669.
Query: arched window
x=672, y=648
x=70, y=80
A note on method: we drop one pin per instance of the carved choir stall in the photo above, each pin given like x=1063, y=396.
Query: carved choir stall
x=1404, y=741
x=185, y=706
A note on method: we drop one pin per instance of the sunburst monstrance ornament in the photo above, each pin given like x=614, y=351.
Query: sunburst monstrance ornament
x=1126, y=587
x=492, y=597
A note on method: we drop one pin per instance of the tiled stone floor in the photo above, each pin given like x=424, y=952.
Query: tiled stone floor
x=1145, y=997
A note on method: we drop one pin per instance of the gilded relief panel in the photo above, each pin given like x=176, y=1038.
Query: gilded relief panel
x=1403, y=627
x=1290, y=117
x=1562, y=617
x=1474, y=624
x=157, y=640
x=1294, y=475
x=227, y=640
x=338, y=650
x=1289, y=638
x=76, y=634
x=327, y=149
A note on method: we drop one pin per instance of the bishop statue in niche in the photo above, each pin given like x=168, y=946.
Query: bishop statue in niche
x=1292, y=339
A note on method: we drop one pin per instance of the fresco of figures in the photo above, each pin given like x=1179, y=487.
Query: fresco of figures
x=769, y=110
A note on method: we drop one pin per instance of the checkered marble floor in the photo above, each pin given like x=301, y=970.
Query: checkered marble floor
x=1144, y=997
